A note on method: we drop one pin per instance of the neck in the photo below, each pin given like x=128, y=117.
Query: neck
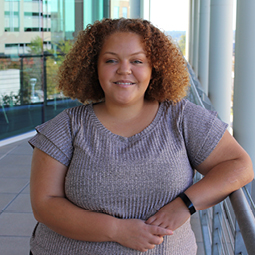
x=126, y=120
x=125, y=112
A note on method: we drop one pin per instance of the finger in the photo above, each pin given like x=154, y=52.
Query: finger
x=150, y=246
x=159, y=231
x=164, y=225
x=153, y=221
x=157, y=222
x=150, y=220
x=157, y=240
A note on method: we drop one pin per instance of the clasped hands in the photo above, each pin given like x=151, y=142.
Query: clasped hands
x=144, y=235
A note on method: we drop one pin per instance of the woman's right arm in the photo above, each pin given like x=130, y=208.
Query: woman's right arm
x=52, y=208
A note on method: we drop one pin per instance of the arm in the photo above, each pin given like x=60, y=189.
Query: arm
x=51, y=208
x=225, y=170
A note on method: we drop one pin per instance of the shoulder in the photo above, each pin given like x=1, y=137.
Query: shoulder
x=179, y=109
x=67, y=121
x=77, y=111
x=74, y=116
x=189, y=117
x=187, y=109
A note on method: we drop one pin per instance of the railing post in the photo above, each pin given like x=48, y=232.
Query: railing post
x=239, y=243
x=44, y=88
x=223, y=217
x=204, y=217
x=217, y=230
x=21, y=91
x=245, y=218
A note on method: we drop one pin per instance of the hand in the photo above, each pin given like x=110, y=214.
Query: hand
x=171, y=216
x=138, y=235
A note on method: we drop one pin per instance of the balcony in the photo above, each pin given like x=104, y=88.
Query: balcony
x=227, y=228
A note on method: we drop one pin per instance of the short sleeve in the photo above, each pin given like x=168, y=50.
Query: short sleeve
x=202, y=131
x=54, y=137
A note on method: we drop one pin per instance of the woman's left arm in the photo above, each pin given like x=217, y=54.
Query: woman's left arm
x=225, y=170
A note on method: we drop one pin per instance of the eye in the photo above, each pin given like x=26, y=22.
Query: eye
x=137, y=62
x=110, y=61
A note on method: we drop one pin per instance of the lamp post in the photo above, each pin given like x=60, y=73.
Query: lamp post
x=33, y=82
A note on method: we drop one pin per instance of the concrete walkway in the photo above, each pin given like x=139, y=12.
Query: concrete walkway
x=16, y=217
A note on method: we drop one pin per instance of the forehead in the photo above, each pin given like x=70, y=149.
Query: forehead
x=123, y=41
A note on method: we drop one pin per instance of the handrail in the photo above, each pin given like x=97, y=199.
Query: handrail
x=241, y=236
x=6, y=118
x=245, y=219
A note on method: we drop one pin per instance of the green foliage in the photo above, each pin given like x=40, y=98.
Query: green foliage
x=36, y=46
x=53, y=64
x=8, y=99
x=65, y=46
x=182, y=44
x=51, y=69
x=7, y=63
x=33, y=68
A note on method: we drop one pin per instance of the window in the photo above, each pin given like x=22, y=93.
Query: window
x=116, y=12
x=12, y=49
x=121, y=8
x=124, y=12
x=11, y=16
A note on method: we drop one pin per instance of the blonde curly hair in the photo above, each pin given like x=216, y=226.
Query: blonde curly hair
x=78, y=77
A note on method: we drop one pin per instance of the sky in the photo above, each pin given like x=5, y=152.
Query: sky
x=173, y=15
x=170, y=15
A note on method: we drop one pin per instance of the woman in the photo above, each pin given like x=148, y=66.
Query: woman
x=114, y=176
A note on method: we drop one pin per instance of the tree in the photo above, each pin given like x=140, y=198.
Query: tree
x=36, y=46
x=65, y=46
x=53, y=64
x=182, y=44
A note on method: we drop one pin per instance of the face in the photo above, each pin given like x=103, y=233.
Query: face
x=124, y=71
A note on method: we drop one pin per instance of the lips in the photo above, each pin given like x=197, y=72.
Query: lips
x=124, y=83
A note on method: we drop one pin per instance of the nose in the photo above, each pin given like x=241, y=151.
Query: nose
x=124, y=68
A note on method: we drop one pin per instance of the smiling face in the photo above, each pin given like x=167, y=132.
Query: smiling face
x=124, y=72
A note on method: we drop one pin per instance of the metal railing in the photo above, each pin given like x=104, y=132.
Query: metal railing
x=228, y=227
x=28, y=94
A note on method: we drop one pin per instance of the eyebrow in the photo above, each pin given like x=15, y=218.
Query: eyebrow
x=135, y=53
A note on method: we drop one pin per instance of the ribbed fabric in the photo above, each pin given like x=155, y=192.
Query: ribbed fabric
x=126, y=177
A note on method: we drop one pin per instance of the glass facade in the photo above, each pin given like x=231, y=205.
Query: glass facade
x=35, y=35
x=11, y=16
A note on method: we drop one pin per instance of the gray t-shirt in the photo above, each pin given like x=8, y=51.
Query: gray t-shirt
x=126, y=177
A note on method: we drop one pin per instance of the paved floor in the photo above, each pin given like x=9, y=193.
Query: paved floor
x=16, y=217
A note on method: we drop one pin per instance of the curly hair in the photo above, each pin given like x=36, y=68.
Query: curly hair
x=78, y=77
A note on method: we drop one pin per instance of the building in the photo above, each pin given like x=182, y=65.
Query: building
x=22, y=21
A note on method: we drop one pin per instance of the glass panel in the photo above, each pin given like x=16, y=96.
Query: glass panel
x=117, y=6
x=93, y=10
x=116, y=12
x=124, y=12
x=125, y=9
x=11, y=16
